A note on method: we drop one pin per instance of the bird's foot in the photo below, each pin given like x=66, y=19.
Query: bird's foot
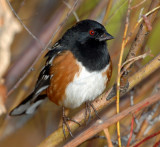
x=89, y=105
x=65, y=123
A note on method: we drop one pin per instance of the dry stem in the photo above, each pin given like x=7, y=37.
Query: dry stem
x=106, y=132
x=131, y=132
x=109, y=4
x=119, y=68
x=144, y=72
x=138, y=43
x=34, y=37
x=149, y=137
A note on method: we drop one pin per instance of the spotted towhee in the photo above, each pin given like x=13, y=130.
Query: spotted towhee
x=77, y=69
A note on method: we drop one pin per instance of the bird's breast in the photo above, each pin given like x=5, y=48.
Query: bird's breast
x=72, y=84
x=86, y=86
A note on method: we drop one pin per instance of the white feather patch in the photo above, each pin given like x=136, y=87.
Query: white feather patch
x=21, y=109
x=86, y=86
x=33, y=107
x=41, y=89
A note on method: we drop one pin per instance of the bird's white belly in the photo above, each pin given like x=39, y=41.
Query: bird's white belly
x=86, y=86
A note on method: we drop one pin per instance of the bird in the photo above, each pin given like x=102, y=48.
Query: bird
x=77, y=70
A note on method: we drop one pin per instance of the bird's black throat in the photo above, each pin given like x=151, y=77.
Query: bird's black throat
x=93, y=54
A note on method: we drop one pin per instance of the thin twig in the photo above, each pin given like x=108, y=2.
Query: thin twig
x=147, y=138
x=139, y=4
x=135, y=59
x=106, y=131
x=131, y=132
x=145, y=71
x=98, y=10
x=157, y=144
x=34, y=37
x=60, y=26
x=139, y=21
x=147, y=22
x=132, y=60
x=74, y=13
x=138, y=42
x=115, y=12
x=119, y=68
x=108, y=7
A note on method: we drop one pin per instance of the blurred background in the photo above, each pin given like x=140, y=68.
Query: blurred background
x=48, y=20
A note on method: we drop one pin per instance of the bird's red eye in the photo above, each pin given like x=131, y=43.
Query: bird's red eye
x=91, y=32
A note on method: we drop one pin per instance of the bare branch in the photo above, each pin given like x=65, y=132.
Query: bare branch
x=119, y=67
x=34, y=37
x=141, y=35
x=106, y=131
x=74, y=13
x=101, y=124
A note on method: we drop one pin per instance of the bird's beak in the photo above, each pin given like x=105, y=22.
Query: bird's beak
x=105, y=37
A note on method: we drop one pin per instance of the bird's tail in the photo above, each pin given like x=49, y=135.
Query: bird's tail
x=28, y=105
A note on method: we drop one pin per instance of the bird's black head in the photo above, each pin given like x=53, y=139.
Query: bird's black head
x=86, y=31
x=87, y=41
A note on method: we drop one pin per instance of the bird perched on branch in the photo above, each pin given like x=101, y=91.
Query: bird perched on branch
x=77, y=70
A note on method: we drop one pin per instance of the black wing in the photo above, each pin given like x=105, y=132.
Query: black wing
x=44, y=77
x=31, y=103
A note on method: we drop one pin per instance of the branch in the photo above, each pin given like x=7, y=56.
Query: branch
x=136, y=46
x=74, y=13
x=139, y=22
x=131, y=132
x=157, y=144
x=99, y=125
x=106, y=132
x=25, y=27
x=140, y=38
x=139, y=4
x=147, y=138
x=119, y=67
x=108, y=7
x=144, y=72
